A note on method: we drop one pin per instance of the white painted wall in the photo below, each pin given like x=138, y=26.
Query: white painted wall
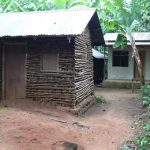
x=119, y=73
x=147, y=64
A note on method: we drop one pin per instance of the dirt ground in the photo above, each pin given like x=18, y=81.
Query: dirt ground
x=26, y=125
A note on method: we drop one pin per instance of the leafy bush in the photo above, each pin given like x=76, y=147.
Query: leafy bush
x=127, y=148
x=145, y=91
x=146, y=100
x=143, y=142
x=100, y=99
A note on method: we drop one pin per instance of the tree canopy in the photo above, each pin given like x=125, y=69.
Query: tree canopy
x=114, y=14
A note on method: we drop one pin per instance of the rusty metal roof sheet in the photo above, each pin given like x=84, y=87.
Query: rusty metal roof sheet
x=62, y=22
x=51, y=23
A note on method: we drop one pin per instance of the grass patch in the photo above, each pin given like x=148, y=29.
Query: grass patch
x=100, y=99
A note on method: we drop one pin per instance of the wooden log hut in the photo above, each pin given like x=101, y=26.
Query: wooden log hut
x=47, y=56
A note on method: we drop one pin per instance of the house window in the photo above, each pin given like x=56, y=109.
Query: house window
x=49, y=62
x=120, y=58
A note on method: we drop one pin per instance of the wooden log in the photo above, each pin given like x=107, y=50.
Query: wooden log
x=84, y=84
x=56, y=87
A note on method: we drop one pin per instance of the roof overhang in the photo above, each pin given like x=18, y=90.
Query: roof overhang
x=96, y=31
x=137, y=43
x=70, y=22
x=141, y=38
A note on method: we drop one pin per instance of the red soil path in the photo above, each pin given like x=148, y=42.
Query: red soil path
x=26, y=125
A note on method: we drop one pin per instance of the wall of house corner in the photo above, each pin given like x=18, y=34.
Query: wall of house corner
x=1, y=71
x=84, y=84
x=120, y=73
x=147, y=62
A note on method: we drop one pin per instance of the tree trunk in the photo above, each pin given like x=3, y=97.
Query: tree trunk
x=135, y=54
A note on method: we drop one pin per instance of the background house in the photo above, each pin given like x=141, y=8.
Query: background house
x=47, y=56
x=122, y=68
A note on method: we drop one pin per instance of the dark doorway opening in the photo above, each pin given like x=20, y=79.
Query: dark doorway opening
x=98, y=70
x=14, y=76
x=99, y=67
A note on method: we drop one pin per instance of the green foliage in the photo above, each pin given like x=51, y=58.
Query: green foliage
x=145, y=90
x=127, y=148
x=100, y=99
x=147, y=127
x=143, y=142
x=146, y=100
x=146, y=95
x=26, y=5
x=115, y=16
x=60, y=4
x=102, y=49
x=126, y=16
x=121, y=41
x=148, y=108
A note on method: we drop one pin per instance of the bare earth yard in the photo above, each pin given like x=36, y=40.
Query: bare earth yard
x=26, y=125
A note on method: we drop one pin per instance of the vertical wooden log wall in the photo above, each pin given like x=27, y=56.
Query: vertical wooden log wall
x=84, y=85
x=53, y=87
x=0, y=71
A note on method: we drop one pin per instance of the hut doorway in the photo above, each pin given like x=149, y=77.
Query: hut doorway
x=98, y=66
x=14, y=76
x=98, y=70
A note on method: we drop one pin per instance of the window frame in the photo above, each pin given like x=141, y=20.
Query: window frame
x=121, y=62
x=42, y=64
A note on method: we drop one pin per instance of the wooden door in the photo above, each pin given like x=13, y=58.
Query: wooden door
x=14, y=71
x=136, y=73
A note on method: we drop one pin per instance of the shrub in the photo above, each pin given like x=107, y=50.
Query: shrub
x=100, y=99
x=143, y=142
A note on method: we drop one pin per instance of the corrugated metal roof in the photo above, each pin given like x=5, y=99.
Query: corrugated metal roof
x=64, y=22
x=141, y=38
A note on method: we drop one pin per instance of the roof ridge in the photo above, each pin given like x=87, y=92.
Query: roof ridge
x=49, y=11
